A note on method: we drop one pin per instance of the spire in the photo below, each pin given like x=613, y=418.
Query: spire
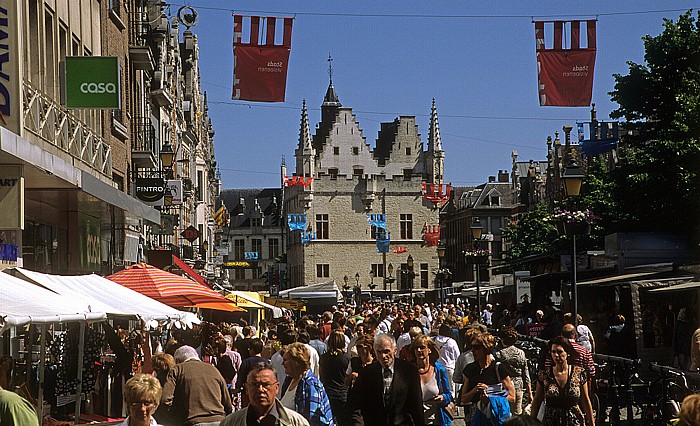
x=304, y=132
x=331, y=98
x=434, y=141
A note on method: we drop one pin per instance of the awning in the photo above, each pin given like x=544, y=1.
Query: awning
x=26, y=303
x=325, y=290
x=484, y=290
x=236, y=295
x=625, y=277
x=684, y=286
x=103, y=294
x=188, y=270
x=292, y=304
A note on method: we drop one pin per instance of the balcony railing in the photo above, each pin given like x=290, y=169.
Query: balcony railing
x=55, y=124
x=144, y=140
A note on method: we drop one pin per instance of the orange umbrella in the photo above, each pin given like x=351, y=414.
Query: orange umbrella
x=170, y=289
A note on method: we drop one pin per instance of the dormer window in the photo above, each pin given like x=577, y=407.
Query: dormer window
x=407, y=174
x=333, y=173
x=495, y=200
x=255, y=222
x=358, y=172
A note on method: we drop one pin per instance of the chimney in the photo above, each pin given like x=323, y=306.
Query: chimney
x=503, y=176
x=492, y=179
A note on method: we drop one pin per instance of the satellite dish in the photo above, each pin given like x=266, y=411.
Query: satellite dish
x=188, y=16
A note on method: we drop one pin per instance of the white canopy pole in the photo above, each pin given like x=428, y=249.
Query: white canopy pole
x=42, y=362
x=79, y=388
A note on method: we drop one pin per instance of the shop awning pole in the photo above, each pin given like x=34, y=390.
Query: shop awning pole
x=79, y=387
x=42, y=362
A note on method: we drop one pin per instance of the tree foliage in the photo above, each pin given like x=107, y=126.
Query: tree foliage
x=657, y=181
x=532, y=233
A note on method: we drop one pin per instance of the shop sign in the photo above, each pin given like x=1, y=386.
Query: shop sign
x=167, y=225
x=11, y=196
x=10, y=97
x=237, y=264
x=220, y=250
x=190, y=234
x=93, y=82
x=89, y=242
x=150, y=190
x=175, y=186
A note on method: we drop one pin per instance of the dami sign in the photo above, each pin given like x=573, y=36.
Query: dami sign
x=93, y=82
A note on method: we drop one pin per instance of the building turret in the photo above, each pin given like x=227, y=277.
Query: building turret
x=306, y=153
x=436, y=156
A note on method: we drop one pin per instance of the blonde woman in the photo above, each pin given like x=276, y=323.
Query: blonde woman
x=695, y=351
x=141, y=394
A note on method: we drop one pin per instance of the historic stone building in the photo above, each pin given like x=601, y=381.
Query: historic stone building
x=345, y=179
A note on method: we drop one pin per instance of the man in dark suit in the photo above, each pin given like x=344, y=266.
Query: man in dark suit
x=388, y=393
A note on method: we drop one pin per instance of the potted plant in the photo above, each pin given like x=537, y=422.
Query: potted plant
x=574, y=222
x=476, y=255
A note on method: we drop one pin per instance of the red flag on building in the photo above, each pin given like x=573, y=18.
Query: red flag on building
x=260, y=70
x=565, y=75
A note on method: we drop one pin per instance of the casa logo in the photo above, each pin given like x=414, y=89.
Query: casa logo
x=98, y=88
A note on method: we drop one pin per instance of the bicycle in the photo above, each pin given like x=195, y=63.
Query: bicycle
x=674, y=387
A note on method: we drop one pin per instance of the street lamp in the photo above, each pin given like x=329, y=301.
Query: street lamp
x=573, y=180
x=409, y=264
x=346, y=286
x=441, y=254
x=390, y=269
x=372, y=274
x=358, y=289
x=477, y=230
x=167, y=155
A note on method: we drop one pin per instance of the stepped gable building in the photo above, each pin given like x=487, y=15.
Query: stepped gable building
x=349, y=180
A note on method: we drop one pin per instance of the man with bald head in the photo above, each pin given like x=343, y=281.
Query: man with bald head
x=585, y=359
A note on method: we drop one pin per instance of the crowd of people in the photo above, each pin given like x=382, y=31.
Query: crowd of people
x=381, y=364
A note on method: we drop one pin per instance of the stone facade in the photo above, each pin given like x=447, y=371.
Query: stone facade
x=351, y=180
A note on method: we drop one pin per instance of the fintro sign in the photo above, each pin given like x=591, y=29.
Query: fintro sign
x=93, y=82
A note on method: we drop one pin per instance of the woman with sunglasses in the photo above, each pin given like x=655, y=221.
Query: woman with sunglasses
x=485, y=377
x=564, y=388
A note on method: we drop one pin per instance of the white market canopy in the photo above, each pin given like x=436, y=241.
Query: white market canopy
x=327, y=290
x=104, y=295
x=25, y=303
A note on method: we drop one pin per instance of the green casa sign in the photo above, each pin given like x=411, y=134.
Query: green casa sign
x=93, y=82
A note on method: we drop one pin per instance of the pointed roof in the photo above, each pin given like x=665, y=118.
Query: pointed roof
x=304, y=131
x=434, y=141
x=331, y=98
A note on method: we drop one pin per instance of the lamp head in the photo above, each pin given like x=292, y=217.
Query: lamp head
x=441, y=250
x=573, y=179
x=409, y=261
x=167, y=155
x=391, y=269
x=477, y=229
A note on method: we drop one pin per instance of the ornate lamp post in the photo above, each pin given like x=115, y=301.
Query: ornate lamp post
x=390, y=280
x=371, y=286
x=572, y=178
x=441, y=254
x=358, y=289
x=477, y=230
x=409, y=264
x=346, y=286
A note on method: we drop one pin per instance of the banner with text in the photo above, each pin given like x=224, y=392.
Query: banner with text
x=565, y=73
x=260, y=70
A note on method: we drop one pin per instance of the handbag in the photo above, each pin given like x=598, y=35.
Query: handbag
x=450, y=410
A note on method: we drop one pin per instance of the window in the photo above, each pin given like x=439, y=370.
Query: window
x=239, y=274
x=255, y=222
x=358, y=172
x=408, y=151
x=238, y=249
x=373, y=232
x=50, y=67
x=333, y=173
x=273, y=247
x=256, y=246
x=257, y=273
x=496, y=225
x=424, y=275
x=406, y=225
x=200, y=185
x=323, y=270
x=495, y=200
x=33, y=40
x=322, y=226
x=336, y=150
x=407, y=174
x=355, y=150
x=378, y=270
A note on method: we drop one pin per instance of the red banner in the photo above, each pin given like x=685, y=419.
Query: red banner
x=260, y=71
x=565, y=76
x=431, y=235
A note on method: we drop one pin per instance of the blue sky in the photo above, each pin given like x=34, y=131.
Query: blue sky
x=477, y=59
